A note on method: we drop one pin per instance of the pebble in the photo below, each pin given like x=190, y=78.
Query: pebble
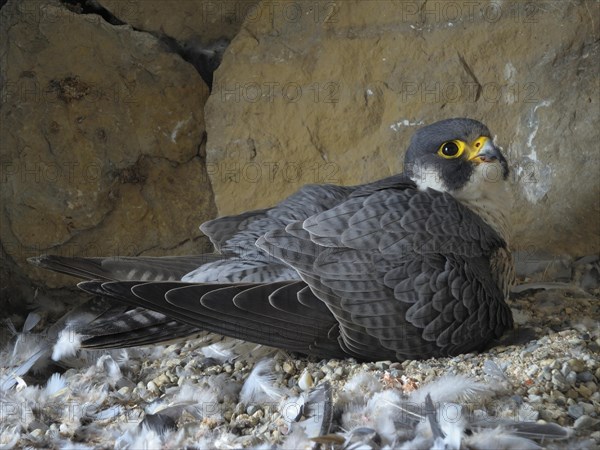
x=532, y=370
x=239, y=408
x=584, y=391
x=547, y=373
x=534, y=390
x=571, y=378
x=585, y=376
x=318, y=375
x=383, y=365
x=575, y=411
x=245, y=421
x=161, y=380
x=588, y=408
x=585, y=422
x=305, y=380
x=36, y=434
x=577, y=365
x=559, y=380
x=214, y=370
x=124, y=392
x=288, y=367
x=572, y=393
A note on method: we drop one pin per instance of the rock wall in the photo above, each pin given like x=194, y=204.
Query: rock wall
x=204, y=21
x=332, y=91
x=102, y=140
x=102, y=133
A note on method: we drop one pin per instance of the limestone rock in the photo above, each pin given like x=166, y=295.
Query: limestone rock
x=198, y=30
x=102, y=137
x=330, y=92
x=188, y=20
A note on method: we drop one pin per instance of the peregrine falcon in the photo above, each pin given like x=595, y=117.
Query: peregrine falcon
x=413, y=266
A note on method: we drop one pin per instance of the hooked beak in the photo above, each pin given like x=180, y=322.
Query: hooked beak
x=483, y=150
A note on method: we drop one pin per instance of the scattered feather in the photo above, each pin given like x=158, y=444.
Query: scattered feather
x=109, y=413
x=160, y=423
x=56, y=386
x=31, y=321
x=260, y=387
x=108, y=365
x=9, y=436
x=360, y=386
x=68, y=343
x=219, y=351
x=492, y=369
x=291, y=409
x=73, y=446
x=318, y=411
x=142, y=438
x=12, y=376
x=500, y=439
x=297, y=439
x=362, y=438
x=451, y=388
x=122, y=357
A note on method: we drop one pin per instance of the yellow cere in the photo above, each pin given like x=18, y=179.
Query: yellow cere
x=476, y=147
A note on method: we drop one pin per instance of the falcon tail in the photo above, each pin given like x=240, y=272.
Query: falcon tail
x=122, y=268
x=153, y=307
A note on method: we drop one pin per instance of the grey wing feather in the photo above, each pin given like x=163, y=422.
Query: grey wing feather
x=121, y=268
x=134, y=327
x=403, y=271
x=238, y=234
x=529, y=430
x=244, y=311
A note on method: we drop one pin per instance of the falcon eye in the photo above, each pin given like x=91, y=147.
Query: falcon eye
x=451, y=149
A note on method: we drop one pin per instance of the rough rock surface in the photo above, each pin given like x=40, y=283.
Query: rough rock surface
x=188, y=20
x=332, y=91
x=102, y=137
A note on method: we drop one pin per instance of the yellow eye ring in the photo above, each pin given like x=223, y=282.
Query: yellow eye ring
x=451, y=149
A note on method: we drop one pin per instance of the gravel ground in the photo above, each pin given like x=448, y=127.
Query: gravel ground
x=187, y=395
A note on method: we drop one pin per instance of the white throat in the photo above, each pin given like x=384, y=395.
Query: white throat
x=486, y=193
x=490, y=199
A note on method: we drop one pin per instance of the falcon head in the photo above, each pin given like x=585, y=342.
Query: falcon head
x=454, y=154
